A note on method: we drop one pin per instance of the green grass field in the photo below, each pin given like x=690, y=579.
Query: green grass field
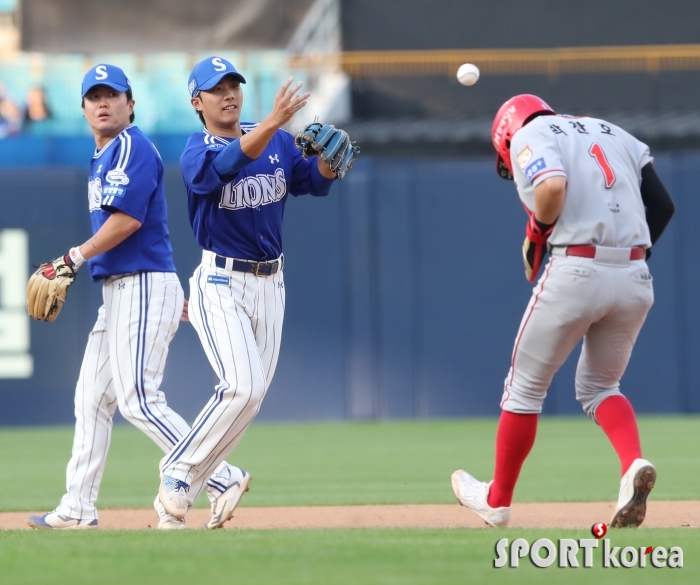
x=338, y=557
x=342, y=463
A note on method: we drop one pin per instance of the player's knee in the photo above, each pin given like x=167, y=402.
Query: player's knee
x=257, y=394
x=590, y=398
x=132, y=416
x=251, y=393
x=522, y=400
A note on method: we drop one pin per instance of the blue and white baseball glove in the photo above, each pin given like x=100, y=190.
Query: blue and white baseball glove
x=330, y=143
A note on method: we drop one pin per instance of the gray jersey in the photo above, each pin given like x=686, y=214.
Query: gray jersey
x=602, y=164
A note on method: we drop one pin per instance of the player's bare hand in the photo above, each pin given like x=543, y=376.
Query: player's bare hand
x=185, y=317
x=288, y=102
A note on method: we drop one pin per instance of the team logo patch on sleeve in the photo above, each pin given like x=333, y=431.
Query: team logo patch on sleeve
x=535, y=168
x=524, y=157
x=113, y=191
x=117, y=177
x=218, y=279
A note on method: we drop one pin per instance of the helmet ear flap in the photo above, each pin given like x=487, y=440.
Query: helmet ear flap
x=502, y=169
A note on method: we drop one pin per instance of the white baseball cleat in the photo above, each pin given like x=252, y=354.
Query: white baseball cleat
x=167, y=521
x=172, y=494
x=54, y=520
x=223, y=506
x=473, y=494
x=635, y=486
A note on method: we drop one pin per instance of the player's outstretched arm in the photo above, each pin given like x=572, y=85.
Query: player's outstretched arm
x=118, y=227
x=287, y=103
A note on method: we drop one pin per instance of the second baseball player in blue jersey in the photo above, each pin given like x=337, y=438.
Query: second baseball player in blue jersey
x=238, y=177
x=143, y=303
x=239, y=213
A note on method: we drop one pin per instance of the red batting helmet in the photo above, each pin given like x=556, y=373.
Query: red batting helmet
x=510, y=118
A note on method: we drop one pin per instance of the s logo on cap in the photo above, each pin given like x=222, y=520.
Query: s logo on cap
x=218, y=65
x=100, y=72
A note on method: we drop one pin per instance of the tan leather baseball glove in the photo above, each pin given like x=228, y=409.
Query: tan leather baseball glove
x=47, y=288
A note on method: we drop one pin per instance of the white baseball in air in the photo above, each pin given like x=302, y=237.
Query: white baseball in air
x=468, y=74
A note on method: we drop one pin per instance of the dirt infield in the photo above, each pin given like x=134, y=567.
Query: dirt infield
x=538, y=515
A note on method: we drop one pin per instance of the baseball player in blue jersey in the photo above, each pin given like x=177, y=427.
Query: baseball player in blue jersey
x=238, y=176
x=143, y=302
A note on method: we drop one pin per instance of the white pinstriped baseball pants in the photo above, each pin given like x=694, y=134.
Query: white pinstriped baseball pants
x=605, y=301
x=123, y=366
x=238, y=317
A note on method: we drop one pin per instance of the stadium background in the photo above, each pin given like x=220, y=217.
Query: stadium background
x=405, y=285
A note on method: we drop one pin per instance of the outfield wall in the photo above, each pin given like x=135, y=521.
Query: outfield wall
x=405, y=289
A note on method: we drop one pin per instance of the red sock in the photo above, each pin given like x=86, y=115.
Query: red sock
x=615, y=416
x=514, y=439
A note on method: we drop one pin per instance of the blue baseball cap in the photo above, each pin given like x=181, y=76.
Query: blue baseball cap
x=104, y=74
x=207, y=73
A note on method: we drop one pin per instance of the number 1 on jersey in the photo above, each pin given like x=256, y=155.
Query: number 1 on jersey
x=596, y=151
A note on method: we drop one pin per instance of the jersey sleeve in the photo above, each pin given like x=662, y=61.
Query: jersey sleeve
x=306, y=178
x=229, y=161
x=197, y=164
x=132, y=178
x=206, y=167
x=640, y=151
x=535, y=154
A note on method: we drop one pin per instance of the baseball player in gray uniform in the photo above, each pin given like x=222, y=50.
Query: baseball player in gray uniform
x=130, y=254
x=596, y=204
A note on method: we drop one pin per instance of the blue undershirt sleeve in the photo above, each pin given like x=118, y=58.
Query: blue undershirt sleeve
x=230, y=160
x=320, y=185
x=308, y=179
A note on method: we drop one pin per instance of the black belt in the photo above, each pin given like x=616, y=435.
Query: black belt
x=257, y=268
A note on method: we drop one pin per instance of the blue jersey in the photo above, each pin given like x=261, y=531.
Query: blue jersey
x=236, y=203
x=127, y=175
